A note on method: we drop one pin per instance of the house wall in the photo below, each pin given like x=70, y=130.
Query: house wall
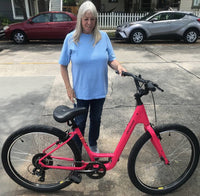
x=6, y=9
x=154, y=3
x=106, y=6
x=186, y=5
x=55, y=5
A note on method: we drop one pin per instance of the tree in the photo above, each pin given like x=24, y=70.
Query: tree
x=69, y=2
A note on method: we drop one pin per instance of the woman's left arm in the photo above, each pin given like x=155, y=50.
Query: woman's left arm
x=117, y=66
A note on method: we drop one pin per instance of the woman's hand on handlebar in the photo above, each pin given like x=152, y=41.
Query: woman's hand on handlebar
x=121, y=70
x=117, y=66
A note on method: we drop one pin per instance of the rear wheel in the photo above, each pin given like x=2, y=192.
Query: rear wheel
x=150, y=174
x=191, y=36
x=22, y=151
x=19, y=37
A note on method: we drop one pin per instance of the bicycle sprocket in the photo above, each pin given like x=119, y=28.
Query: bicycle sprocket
x=98, y=170
x=47, y=161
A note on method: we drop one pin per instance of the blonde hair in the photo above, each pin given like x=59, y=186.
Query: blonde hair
x=87, y=6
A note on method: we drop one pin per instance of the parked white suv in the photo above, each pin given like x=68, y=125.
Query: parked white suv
x=162, y=25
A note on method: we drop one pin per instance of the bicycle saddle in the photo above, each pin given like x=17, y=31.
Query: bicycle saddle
x=63, y=113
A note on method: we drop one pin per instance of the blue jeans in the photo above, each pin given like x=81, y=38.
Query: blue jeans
x=94, y=108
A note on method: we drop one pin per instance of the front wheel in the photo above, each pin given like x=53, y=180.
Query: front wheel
x=137, y=37
x=22, y=151
x=19, y=37
x=150, y=174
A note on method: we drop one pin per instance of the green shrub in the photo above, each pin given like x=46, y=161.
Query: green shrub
x=5, y=21
x=111, y=34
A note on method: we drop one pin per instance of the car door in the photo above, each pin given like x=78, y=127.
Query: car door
x=61, y=25
x=178, y=21
x=159, y=24
x=39, y=27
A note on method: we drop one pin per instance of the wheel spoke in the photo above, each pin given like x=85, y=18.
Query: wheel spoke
x=150, y=174
x=22, y=153
x=191, y=37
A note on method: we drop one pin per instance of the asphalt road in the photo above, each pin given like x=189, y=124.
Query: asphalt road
x=31, y=87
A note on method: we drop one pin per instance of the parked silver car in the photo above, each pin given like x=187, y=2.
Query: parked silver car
x=175, y=25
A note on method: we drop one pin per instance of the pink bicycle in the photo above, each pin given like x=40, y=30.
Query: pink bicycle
x=44, y=158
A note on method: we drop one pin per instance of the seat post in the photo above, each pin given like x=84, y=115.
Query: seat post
x=72, y=123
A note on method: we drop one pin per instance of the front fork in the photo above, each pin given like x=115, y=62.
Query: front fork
x=155, y=139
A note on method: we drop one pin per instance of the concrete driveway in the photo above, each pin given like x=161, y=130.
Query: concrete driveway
x=31, y=87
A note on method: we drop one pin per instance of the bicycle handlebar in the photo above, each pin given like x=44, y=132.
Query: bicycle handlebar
x=148, y=85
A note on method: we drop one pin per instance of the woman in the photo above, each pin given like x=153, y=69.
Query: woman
x=90, y=51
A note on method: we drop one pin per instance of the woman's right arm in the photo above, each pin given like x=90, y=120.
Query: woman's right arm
x=65, y=76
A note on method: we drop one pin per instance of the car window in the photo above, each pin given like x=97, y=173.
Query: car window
x=156, y=17
x=162, y=16
x=147, y=16
x=60, y=17
x=42, y=18
x=178, y=15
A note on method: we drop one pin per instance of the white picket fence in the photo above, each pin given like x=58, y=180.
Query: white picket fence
x=112, y=20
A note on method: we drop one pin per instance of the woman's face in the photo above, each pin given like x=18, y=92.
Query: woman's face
x=88, y=22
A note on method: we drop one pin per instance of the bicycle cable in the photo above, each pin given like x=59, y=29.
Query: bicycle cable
x=154, y=105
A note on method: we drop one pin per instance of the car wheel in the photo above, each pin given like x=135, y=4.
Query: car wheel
x=19, y=37
x=137, y=37
x=191, y=36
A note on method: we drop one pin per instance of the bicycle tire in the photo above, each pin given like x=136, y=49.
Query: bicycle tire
x=20, y=148
x=149, y=173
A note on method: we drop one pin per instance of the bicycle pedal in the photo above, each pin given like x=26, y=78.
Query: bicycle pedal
x=41, y=179
x=75, y=177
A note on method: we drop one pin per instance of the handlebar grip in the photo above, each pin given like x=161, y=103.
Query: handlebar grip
x=158, y=88
x=124, y=73
x=117, y=72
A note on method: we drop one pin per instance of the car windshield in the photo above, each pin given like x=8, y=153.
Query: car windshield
x=147, y=16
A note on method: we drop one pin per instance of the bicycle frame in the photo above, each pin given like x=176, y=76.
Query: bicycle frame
x=139, y=117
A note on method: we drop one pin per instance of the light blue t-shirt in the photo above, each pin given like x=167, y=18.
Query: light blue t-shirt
x=89, y=64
